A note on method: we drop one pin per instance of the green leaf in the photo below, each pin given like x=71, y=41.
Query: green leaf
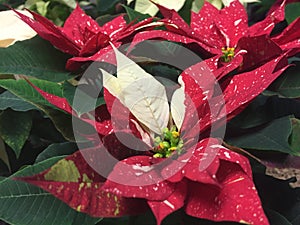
x=9, y=100
x=35, y=57
x=15, y=129
x=57, y=149
x=288, y=85
x=167, y=48
x=61, y=120
x=70, y=3
x=276, y=218
x=106, y=7
x=216, y=3
x=30, y=4
x=197, y=5
x=3, y=154
x=43, y=130
x=296, y=220
x=22, y=89
x=83, y=102
x=185, y=11
x=21, y=203
x=58, y=13
x=273, y=137
x=161, y=70
x=292, y=11
x=177, y=218
x=254, y=115
x=101, y=20
x=42, y=7
x=135, y=15
x=263, y=109
x=295, y=136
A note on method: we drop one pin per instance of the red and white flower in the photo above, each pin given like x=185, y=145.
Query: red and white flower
x=169, y=172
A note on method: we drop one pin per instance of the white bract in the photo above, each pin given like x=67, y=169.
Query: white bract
x=143, y=95
x=177, y=104
x=146, y=7
x=13, y=29
x=244, y=2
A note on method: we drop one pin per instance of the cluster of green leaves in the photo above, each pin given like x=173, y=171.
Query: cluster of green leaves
x=32, y=131
x=56, y=10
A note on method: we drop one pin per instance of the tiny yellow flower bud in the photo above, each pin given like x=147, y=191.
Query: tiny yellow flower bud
x=172, y=148
x=157, y=155
x=175, y=134
x=161, y=145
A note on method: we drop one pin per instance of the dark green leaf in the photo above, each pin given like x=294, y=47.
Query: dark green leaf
x=43, y=130
x=185, y=11
x=134, y=15
x=57, y=149
x=295, y=136
x=279, y=196
x=22, y=89
x=9, y=100
x=292, y=11
x=288, y=85
x=177, y=218
x=21, y=203
x=165, y=71
x=83, y=102
x=296, y=220
x=15, y=129
x=101, y=20
x=58, y=13
x=264, y=109
x=167, y=48
x=276, y=219
x=35, y=57
x=106, y=7
x=3, y=154
x=61, y=120
x=273, y=137
x=254, y=115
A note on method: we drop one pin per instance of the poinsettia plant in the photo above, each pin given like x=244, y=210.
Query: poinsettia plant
x=225, y=36
x=98, y=127
x=81, y=36
x=168, y=132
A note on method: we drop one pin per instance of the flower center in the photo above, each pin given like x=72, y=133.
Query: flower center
x=168, y=143
x=228, y=54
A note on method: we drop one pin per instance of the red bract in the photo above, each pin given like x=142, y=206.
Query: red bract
x=213, y=29
x=81, y=36
x=80, y=186
x=225, y=36
x=204, y=178
x=289, y=39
